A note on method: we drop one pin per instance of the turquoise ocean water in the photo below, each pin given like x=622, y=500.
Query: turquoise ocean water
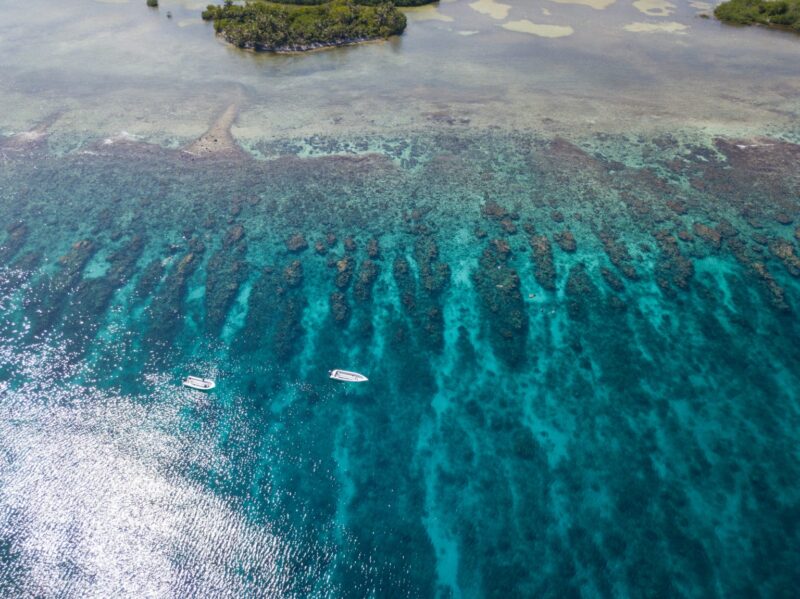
x=569, y=266
x=583, y=364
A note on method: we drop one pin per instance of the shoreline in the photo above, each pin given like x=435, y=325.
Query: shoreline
x=302, y=48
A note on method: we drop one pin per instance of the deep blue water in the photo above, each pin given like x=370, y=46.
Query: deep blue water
x=584, y=364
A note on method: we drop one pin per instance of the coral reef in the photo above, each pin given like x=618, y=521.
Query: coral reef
x=225, y=272
x=498, y=286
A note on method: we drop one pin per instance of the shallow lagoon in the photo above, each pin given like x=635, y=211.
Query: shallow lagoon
x=578, y=320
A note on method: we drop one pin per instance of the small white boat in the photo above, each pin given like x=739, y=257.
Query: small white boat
x=347, y=376
x=195, y=382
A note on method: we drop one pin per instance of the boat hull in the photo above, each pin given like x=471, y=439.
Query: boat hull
x=348, y=376
x=193, y=382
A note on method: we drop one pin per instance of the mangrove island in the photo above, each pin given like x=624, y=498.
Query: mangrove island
x=299, y=25
x=780, y=14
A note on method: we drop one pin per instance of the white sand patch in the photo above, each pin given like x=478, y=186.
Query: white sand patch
x=467, y=32
x=595, y=4
x=492, y=8
x=655, y=8
x=526, y=26
x=546, y=12
x=671, y=27
x=429, y=12
x=701, y=5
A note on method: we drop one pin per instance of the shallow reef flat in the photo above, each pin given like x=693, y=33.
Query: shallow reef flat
x=583, y=359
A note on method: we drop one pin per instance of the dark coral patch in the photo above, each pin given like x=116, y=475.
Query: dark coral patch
x=296, y=243
x=498, y=286
x=566, y=241
x=545, y=270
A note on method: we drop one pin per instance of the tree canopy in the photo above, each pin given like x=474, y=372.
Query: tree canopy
x=271, y=26
x=772, y=13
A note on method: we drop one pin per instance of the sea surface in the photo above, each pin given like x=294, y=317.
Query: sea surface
x=568, y=262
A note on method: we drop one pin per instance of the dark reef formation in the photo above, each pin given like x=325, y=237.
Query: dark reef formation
x=16, y=235
x=275, y=310
x=672, y=268
x=151, y=276
x=498, y=286
x=225, y=272
x=92, y=296
x=50, y=294
x=566, y=241
x=618, y=254
x=545, y=270
x=165, y=311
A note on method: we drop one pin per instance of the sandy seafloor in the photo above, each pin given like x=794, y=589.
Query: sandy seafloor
x=561, y=239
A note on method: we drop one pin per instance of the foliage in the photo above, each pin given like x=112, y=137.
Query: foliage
x=270, y=26
x=152, y=3
x=361, y=2
x=774, y=13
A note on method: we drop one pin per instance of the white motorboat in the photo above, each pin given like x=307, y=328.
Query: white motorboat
x=195, y=382
x=347, y=376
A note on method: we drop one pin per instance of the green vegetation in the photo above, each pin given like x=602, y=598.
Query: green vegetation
x=270, y=26
x=784, y=14
x=362, y=2
x=152, y=3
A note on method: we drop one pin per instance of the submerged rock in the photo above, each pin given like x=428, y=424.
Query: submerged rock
x=582, y=295
x=339, y=308
x=367, y=275
x=150, y=278
x=784, y=250
x=274, y=312
x=677, y=206
x=20, y=271
x=493, y=211
x=293, y=274
x=498, y=286
x=296, y=243
x=49, y=296
x=566, y=241
x=508, y=226
x=225, y=273
x=90, y=300
x=711, y=236
x=612, y=279
x=373, y=250
x=234, y=235
x=672, y=267
x=405, y=283
x=435, y=275
x=618, y=254
x=545, y=271
x=344, y=271
x=166, y=312
x=777, y=294
x=420, y=298
x=16, y=235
